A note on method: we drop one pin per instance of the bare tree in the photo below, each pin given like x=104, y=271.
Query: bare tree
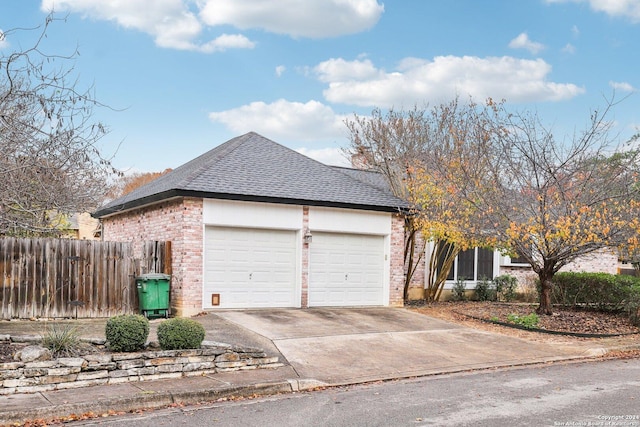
x=50, y=162
x=417, y=151
x=389, y=144
x=553, y=201
x=484, y=176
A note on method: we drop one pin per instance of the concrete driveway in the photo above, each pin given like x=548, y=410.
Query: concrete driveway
x=351, y=345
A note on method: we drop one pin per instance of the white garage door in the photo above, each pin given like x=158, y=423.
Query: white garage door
x=346, y=270
x=250, y=268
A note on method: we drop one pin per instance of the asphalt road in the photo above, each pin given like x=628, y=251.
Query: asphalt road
x=605, y=393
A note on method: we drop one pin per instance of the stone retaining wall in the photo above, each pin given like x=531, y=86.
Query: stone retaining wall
x=114, y=368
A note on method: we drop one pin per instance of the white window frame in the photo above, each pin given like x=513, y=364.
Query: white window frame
x=474, y=281
x=508, y=262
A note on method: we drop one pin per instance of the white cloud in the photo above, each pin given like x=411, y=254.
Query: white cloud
x=569, y=48
x=284, y=119
x=3, y=40
x=227, y=41
x=178, y=24
x=328, y=156
x=280, y=69
x=339, y=69
x=297, y=18
x=416, y=80
x=523, y=42
x=623, y=86
x=170, y=22
x=618, y=8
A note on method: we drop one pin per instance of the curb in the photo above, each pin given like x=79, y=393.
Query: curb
x=143, y=401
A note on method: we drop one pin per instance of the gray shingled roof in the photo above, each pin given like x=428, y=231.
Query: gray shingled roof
x=253, y=168
x=375, y=179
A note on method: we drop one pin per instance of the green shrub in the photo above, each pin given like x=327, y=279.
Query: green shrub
x=127, y=332
x=458, y=290
x=180, y=333
x=63, y=340
x=505, y=286
x=529, y=321
x=485, y=291
x=601, y=291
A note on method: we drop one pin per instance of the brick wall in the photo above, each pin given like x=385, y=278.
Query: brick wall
x=601, y=261
x=524, y=275
x=179, y=221
x=416, y=286
x=396, y=282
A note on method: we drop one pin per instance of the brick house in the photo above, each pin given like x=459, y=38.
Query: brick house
x=255, y=224
x=81, y=226
x=477, y=264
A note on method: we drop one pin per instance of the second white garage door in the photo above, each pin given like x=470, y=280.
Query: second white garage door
x=250, y=267
x=346, y=270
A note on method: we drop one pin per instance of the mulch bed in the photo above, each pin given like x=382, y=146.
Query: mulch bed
x=8, y=349
x=563, y=320
x=574, y=321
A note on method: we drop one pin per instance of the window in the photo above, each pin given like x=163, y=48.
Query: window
x=518, y=259
x=472, y=265
x=465, y=265
x=485, y=264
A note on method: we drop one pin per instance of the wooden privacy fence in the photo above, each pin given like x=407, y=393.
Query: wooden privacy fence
x=49, y=278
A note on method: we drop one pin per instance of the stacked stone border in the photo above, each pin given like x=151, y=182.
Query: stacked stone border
x=116, y=368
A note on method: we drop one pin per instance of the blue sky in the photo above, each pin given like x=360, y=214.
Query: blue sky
x=187, y=75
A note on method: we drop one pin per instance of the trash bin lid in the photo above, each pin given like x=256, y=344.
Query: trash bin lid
x=153, y=276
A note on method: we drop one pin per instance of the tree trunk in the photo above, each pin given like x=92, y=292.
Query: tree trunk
x=440, y=263
x=545, y=294
x=413, y=253
x=409, y=250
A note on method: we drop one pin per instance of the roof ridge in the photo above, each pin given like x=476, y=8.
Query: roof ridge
x=351, y=168
x=379, y=190
x=252, y=167
x=235, y=143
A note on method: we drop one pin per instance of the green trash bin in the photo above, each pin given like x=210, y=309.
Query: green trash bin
x=153, y=294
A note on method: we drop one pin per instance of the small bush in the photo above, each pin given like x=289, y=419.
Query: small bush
x=485, y=291
x=180, y=333
x=529, y=321
x=505, y=286
x=127, y=332
x=63, y=340
x=601, y=291
x=459, y=289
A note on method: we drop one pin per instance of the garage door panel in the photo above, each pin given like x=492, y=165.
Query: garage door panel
x=346, y=270
x=250, y=267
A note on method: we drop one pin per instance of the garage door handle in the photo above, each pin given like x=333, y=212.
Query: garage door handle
x=346, y=277
x=250, y=276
